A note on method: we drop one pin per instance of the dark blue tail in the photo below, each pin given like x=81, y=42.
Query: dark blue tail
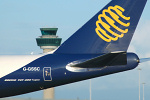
x=111, y=29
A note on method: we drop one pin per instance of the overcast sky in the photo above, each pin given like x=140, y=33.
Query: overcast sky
x=20, y=21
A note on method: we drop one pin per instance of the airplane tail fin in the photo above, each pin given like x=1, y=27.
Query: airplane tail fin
x=111, y=29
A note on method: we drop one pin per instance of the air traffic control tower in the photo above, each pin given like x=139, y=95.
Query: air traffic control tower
x=48, y=42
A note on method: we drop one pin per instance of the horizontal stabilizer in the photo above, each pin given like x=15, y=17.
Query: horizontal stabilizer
x=144, y=60
x=109, y=59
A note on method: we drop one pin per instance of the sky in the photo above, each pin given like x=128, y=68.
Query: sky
x=20, y=23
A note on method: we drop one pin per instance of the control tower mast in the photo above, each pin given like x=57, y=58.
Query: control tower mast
x=48, y=42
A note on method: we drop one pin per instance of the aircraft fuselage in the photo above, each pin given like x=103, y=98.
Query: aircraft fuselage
x=50, y=71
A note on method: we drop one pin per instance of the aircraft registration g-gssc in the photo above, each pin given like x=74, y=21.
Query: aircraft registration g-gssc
x=98, y=48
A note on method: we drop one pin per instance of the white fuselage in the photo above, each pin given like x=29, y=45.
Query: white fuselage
x=11, y=63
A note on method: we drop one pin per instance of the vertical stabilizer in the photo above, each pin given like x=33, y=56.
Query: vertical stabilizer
x=111, y=29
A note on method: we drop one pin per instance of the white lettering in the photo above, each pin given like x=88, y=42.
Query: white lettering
x=10, y=79
x=31, y=68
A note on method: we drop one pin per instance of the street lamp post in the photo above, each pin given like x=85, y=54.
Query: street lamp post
x=139, y=82
x=143, y=90
x=90, y=91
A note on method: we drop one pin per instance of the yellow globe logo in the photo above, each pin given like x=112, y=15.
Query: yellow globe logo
x=118, y=13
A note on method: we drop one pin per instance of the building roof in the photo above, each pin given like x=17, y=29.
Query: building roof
x=48, y=31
